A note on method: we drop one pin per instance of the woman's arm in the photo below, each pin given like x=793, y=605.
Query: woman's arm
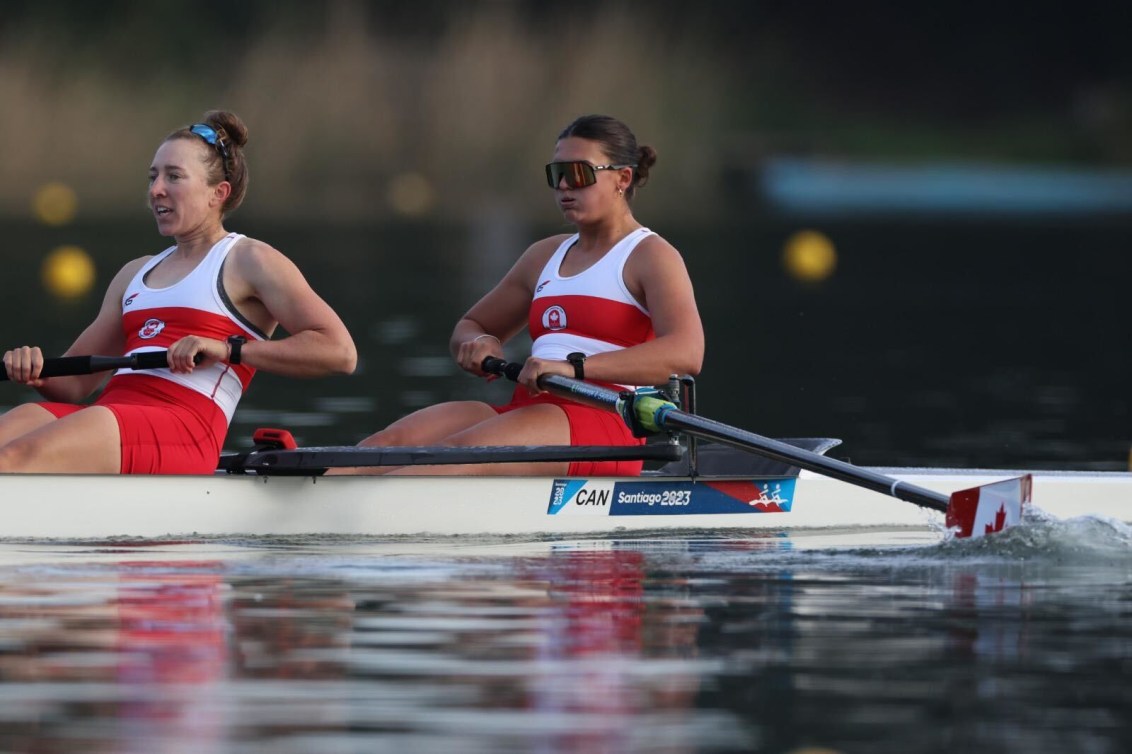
x=103, y=336
x=269, y=289
x=502, y=313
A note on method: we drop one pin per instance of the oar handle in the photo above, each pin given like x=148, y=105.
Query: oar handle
x=507, y=369
x=66, y=366
x=576, y=390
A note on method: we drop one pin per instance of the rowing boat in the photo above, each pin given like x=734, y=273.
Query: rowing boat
x=279, y=489
x=106, y=507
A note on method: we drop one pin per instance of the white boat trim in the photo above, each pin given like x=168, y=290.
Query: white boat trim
x=109, y=507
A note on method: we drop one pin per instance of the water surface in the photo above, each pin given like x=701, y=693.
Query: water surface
x=852, y=640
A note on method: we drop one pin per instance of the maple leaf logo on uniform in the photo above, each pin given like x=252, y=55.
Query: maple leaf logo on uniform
x=554, y=318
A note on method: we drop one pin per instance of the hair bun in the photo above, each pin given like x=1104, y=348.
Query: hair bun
x=234, y=128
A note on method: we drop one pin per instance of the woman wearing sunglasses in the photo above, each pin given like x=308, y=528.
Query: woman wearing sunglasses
x=213, y=300
x=611, y=303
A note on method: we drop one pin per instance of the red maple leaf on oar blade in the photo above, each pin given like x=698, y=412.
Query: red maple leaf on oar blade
x=999, y=520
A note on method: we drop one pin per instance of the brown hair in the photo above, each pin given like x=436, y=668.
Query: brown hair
x=232, y=135
x=618, y=142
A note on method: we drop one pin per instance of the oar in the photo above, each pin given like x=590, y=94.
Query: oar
x=974, y=512
x=70, y=365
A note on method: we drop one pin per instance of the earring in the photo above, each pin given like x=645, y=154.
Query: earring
x=621, y=192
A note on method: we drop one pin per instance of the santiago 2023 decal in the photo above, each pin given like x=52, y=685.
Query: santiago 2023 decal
x=595, y=497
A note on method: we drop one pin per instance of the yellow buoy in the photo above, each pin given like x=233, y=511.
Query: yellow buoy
x=809, y=256
x=55, y=204
x=68, y=272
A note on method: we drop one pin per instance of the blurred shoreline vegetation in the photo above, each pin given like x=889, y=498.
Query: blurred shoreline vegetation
x=361, y=111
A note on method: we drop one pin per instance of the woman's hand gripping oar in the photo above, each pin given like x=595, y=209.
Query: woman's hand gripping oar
x=66, y=366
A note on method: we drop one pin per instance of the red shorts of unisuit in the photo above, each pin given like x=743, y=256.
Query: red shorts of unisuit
x=165, y=428
x=588, y=426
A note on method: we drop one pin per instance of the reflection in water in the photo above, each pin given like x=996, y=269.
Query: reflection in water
x=596, y=617
x=566, y=650
x=675, y=645
x=82, y=650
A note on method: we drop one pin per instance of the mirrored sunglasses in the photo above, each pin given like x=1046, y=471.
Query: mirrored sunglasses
x=578, y=174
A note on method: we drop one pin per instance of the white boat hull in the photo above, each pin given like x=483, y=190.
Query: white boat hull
x=108, y=507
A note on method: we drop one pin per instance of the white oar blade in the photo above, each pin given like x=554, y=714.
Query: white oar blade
x=988, y=509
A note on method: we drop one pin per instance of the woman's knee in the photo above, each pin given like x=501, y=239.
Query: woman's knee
x=543, y=424
x=389, y=436
x=21, y=420
x=432, y=425
x=16, y=455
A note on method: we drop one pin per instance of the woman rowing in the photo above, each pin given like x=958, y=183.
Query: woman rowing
x=213, y=300
x=611, y=303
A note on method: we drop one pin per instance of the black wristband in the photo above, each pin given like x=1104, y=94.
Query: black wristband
x=235, y=343
x=578, y=359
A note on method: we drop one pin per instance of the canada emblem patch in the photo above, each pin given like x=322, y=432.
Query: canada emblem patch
x=554, y=318
x=151, y=329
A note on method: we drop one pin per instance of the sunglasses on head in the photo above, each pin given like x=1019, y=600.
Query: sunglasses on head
x=208, y=133
x=578, y=174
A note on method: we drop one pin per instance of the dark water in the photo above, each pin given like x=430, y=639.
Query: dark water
x=850, y=641
x=969, y=343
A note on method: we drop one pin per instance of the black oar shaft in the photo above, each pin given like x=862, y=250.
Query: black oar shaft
x=582, y=392
x=780, y=451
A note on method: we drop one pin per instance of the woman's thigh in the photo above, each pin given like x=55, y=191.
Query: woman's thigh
x=428, y=426
x=85, y=442
x=539, y=424
x=536, y=424
x=432, y=424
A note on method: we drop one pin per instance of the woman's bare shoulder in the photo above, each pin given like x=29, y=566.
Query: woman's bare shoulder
x=545, y=247
x=131, y=268
x=539, y=253
x=654, y=243
x=253, y=248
